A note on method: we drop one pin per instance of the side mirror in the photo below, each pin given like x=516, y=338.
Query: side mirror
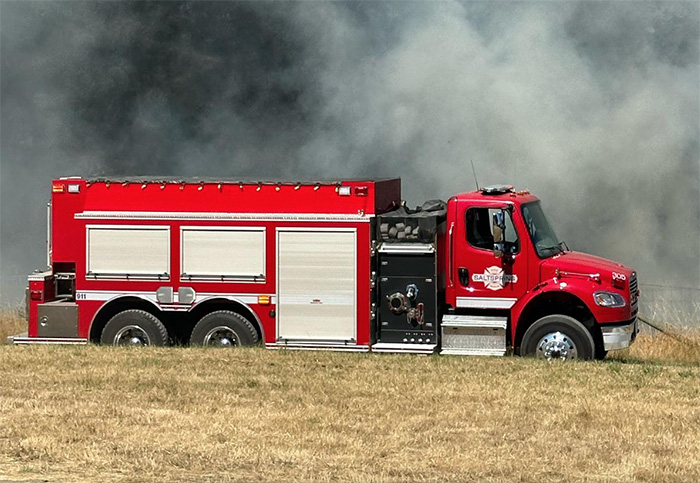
x=499, y=230
x=498, y=249
x=499, y=227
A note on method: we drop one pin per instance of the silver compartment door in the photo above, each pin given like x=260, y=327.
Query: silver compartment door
x=316, y=283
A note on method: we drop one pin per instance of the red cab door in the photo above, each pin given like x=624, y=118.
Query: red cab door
x=480, y=279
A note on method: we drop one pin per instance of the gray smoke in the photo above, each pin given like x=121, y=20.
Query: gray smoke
x=593, y=106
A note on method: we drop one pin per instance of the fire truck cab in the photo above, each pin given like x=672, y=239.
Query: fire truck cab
x=336, y=265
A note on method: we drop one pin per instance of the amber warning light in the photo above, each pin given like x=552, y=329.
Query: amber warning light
x=58, y=188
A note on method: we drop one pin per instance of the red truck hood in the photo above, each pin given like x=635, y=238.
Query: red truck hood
x=583, y=264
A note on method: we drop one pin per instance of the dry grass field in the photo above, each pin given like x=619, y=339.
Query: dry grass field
x=92, y=413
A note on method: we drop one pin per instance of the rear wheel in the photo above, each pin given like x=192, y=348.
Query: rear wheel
x=224, y=328
x=134, y=328
x=558, y=337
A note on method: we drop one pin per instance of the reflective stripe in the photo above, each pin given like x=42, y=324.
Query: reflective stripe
x=186, y=215
x=485, y=302
x=105, y=295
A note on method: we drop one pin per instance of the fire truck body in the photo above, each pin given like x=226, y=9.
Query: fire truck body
x=320, y=265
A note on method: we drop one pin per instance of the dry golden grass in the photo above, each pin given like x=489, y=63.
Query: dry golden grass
x=681, y=347
x=186, y=414
x=12, y=322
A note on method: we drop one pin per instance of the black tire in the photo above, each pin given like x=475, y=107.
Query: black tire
x=558, y=337
x=134, y=327
x=224, y=328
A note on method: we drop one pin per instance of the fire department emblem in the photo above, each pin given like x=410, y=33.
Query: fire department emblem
x=493, y=278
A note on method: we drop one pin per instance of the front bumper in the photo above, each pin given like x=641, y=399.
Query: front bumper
x=619, y=336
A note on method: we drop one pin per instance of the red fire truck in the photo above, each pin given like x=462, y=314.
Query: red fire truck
x=341, y=265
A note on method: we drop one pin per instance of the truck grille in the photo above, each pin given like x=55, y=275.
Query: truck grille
x=633, y=288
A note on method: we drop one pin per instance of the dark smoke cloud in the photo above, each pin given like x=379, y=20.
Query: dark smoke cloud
x=594, y=106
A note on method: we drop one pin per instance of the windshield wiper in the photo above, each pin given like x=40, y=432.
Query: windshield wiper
x=555, y=247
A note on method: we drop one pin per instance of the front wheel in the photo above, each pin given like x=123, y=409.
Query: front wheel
x=558, y=337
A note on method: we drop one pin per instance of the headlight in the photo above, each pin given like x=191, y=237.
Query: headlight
x=608, y=299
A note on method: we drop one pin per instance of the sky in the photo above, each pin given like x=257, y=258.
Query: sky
x=593, y=106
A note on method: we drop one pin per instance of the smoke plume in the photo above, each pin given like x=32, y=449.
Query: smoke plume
x=593, y=106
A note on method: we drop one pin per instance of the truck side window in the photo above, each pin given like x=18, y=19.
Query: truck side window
x=480, y=230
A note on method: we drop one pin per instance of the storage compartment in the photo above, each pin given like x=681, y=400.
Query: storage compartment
x=58, y=319
x=474, y=335
x=413, y=226
x=148, y=249
x=223, y=253
x=316, y=283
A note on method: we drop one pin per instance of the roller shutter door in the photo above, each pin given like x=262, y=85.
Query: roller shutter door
x=128, y=251
x=316, y=283
x=236, y=253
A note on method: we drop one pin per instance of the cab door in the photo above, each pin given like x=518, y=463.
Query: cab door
x=482, y=280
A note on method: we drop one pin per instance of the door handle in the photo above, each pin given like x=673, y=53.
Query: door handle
x=463, y=276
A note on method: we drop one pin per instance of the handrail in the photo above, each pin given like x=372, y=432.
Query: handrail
x=450, y=268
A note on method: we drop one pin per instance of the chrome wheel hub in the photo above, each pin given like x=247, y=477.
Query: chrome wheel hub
x=556, y=346
x=221, y=336
x=132, y=335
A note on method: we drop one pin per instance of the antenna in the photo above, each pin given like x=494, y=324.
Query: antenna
x=474, y=171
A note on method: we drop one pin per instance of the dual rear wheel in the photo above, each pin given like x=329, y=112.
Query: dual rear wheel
x=222, y=328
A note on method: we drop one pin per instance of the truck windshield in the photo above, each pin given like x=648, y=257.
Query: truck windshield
x=543, y=237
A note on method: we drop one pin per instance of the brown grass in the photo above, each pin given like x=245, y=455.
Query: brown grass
x=185, y=414
x=12, y=322
x=681, y=347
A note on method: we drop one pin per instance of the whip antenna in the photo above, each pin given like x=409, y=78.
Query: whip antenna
x=474, y=171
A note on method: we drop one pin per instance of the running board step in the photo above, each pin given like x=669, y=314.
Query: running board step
x=405, y=348
x=22, y=339
x=474, y=335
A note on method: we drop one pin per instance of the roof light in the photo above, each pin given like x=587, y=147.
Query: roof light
x=74, y=188
x=361, y=191
x=344, y=190
x=497, y=189
x=58, y=188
